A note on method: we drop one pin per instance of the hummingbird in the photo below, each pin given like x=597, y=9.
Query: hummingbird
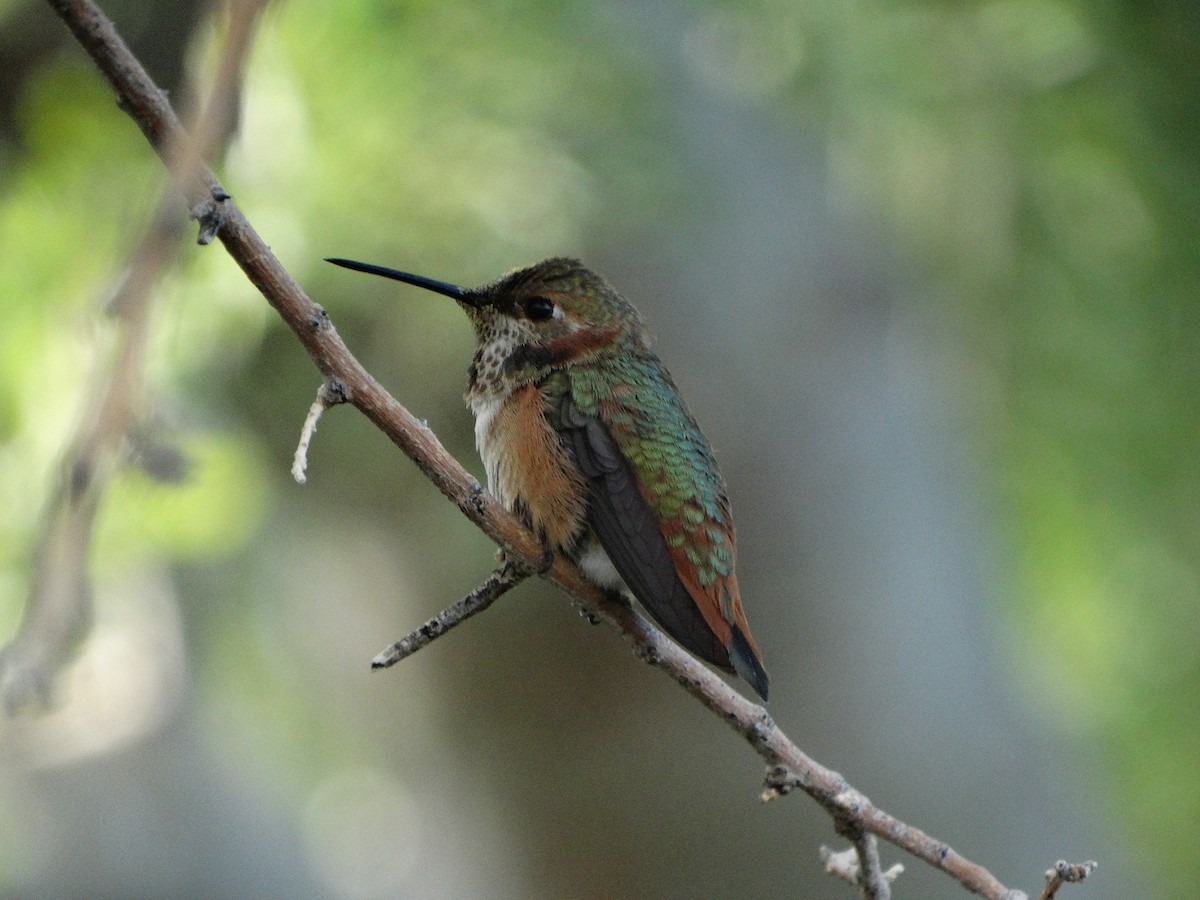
x=586, y=439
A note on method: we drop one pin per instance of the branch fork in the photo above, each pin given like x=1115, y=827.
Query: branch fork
x=210, y=213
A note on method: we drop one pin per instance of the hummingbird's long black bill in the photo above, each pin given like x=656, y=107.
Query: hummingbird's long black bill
x=430, y=284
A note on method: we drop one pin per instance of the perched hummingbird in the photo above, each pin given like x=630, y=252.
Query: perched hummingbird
x=586, y=439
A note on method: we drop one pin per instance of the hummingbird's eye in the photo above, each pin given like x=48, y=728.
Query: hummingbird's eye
x=538, y=309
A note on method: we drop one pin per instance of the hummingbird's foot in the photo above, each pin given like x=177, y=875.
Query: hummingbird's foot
x=614, y=596
x=617, y=596
x=540, y=568
x=547, y=559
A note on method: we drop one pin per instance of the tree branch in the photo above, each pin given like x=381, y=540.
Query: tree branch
x=499, y=583
x=58, y=609
x=1065, y=873
x=792, y=768
x=860, y=864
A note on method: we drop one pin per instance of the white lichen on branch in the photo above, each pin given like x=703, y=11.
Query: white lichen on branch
x=300, y=459
x=330, y=393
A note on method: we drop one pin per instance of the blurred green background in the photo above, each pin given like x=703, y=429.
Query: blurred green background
x=927, y=275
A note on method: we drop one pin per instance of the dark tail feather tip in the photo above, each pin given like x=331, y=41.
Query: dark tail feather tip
x=745, y=662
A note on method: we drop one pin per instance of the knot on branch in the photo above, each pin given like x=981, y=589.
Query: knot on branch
x=647, y=653
x=210, y=213
x=778, y=782
x=333, y=391
x=319, y=319
x=845, y=808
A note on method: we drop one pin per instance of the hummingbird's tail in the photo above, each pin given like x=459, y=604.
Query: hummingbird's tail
x=746, y=663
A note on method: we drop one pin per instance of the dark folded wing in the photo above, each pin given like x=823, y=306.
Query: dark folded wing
x=631, y=535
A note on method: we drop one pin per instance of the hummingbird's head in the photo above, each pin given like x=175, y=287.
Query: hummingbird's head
x=552, y=300
x=536, y=318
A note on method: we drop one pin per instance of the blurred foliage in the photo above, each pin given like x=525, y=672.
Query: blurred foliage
x=1034, y=160
x=1030, y=164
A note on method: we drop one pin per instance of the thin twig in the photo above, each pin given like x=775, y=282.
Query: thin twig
x=841, y=864
x=1065, y=873
x=312, y=326
x=844, y=864
x=500, y=582
x=859, y=864
x=868, y=873
x=330, y=392
x=300, y=458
